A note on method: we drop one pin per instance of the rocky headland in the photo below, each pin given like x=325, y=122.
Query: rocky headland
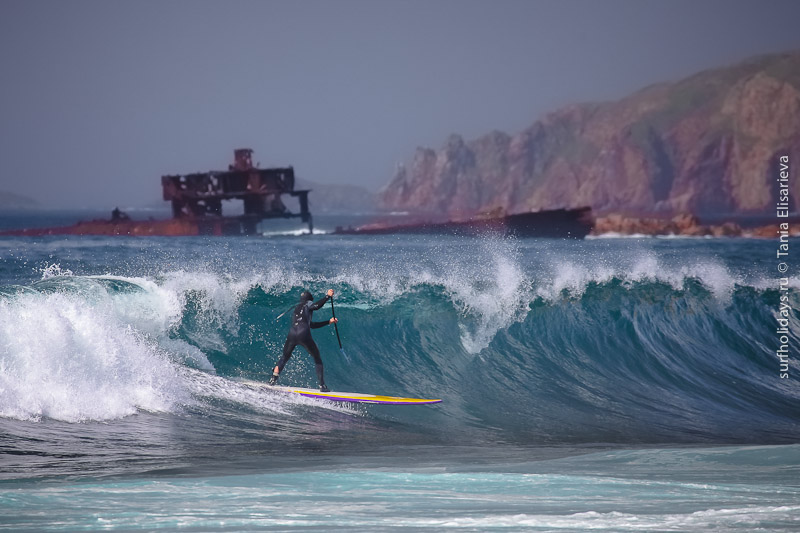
x=651, y=163
x=683, y=225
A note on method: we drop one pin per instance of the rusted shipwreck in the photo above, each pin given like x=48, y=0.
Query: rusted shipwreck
x=198, y=197
x=197, y=201
x=554, y=223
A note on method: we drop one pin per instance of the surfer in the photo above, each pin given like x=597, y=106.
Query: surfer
x=300, y=334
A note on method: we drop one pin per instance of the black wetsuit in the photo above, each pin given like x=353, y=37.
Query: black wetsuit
x=300, y=334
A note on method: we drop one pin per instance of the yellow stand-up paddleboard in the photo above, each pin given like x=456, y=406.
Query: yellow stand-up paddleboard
x=351, y=397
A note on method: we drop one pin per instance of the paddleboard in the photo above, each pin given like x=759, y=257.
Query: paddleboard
x=336, y=396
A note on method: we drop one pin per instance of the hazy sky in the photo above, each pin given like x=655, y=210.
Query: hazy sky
x=98, y=99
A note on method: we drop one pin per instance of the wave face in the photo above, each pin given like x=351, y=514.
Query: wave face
x=525, y=342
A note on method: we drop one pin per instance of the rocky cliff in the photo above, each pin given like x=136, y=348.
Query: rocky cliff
x=706, y=144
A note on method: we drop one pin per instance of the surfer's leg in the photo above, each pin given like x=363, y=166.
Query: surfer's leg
x=288, y=347
x=312, y=349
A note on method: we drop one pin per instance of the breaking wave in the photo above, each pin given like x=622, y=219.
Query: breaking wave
x=571, y=353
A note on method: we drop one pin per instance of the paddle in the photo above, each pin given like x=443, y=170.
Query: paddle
x=281, y=315
x=336, y=327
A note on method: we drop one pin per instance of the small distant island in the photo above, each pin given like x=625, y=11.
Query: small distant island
x=11, y=201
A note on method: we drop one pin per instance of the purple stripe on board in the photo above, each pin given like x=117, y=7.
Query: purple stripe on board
x=362, y=400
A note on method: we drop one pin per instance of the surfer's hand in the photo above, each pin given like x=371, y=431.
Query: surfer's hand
x=333, y=321
x=330, y=292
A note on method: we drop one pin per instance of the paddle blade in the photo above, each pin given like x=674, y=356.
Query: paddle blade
x=346, y=357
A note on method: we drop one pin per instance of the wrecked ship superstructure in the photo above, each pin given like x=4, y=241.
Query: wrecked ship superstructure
x=197, y=202
x=199, y=196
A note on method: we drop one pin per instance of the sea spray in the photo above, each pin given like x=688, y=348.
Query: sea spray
x=66, y=359
x=568, y=347
x=491, y=291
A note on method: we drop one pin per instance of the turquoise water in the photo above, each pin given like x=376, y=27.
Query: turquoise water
x=549, y=495
x=610, y=384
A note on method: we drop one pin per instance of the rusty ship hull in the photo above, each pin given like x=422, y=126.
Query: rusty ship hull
x=142, y=228
x=556, y=223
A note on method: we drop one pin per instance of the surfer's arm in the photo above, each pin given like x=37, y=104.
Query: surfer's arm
x=318, y=305
x=323, y=323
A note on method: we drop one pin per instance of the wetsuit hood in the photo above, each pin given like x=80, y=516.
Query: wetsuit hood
x=306, y=297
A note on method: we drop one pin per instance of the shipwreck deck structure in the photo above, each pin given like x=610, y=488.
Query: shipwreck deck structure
x=198, y=197
x=197, y=201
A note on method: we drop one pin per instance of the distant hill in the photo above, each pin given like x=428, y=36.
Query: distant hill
x=706, y=144
x=337, y=198
x=10, y=200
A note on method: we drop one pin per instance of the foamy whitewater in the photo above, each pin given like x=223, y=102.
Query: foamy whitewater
x=607, y=384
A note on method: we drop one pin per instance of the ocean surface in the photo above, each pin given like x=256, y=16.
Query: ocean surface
x=604, y=384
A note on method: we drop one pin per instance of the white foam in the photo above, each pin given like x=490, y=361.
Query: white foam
x=294, y=232
x=217, y=301
x=711, y=519
x=575, y=277
x=54, y=270
x=152, y=309
x=490, y=290
x=714, y=276
x=70, y=359
x=671, y=236
x=204, y=385
x=616, y=235
x=79, y=352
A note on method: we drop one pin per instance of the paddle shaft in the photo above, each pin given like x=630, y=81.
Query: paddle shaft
x=335, y=326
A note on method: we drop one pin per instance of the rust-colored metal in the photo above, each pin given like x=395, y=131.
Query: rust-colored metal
x=201, y=194
x=196, y=201
x=172, y=227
